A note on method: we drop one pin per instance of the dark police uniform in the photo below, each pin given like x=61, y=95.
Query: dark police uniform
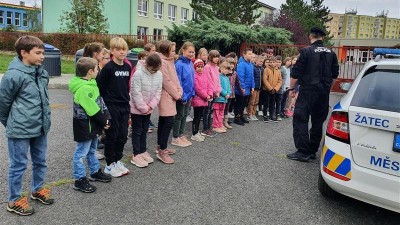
x=315, y=70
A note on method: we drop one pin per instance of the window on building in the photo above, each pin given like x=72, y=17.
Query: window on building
x=141, y=32
x=361, y=35
x=1, y=17
x=17, y=19
x=157, y=34
x=25, y=20
x=184, y=15
x=172, y=13
x=9, y=18
x=142, y=7
x=158, y=10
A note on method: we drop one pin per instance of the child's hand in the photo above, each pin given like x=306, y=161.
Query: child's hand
x=106, y=127
x=252, y=90
x=227, y=96
x=216, y=95
x=208, y=98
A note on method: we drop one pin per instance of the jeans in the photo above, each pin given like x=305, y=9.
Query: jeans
x=218, y=114
x=198, y=112
x=165, y=124
x=140, y=125
x=182, y=111
x=18, y=160
x=278, y=102
x=85, y=149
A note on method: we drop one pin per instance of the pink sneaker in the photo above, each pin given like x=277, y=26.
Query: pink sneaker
x=147, y=157
x=289, y=112
x=179, y=142
x=184, y=138
x=164, y=157
x=169, y=150
x=219, y=130
x=139, y=161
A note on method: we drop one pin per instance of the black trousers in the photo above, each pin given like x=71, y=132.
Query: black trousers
x=165, y=124
x=140, y=125
x=316, y=106
x=207, y=120
x=241, y=103
x=283, y=102
x=116, y=135
x=232, y=104
x=198, y=113
x=261, y=100
x=269, y=104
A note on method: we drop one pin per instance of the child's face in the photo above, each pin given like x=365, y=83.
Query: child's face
x=98, y=56
x=199, y=69
x=248, y=56
x=152, y=50
x=204, y=56
x=225, y=71
x=152, y=69
x=106, y=58
x=288, y=63
x=259, y=62
x=294, y=61
x=278, y=63
x=232, y=66
x=119, y=54
x=93, y=73
x=215, y=60
x=188, y=52
x=34, y=57
x=266, y=63
x=273, y=64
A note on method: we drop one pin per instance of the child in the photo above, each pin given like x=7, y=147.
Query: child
x=272, y=81
x=211, y=71
x=171, y=92
x=219, y=104
x=25, y=113
x=229, y=105
x=113, y=83
x=279, y=93
x=145, y=95
x=185, y=71
x=150, y=48
x=203, y=94
x=90, y=117
x=292, y=100
x=244, y=86
x=202, y=54
x=285, y=71
x=258, y=73
x=106, y=58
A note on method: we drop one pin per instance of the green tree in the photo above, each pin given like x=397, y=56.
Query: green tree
x=234, y=11
x=33, y=19
x=85, y=17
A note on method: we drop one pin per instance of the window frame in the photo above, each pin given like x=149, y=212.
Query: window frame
x=9, y=18
x=183, y=21
x=140, y=34
x=172, y=18
x=25, y=22
x=141, y=11
x=1, y=16
x=158, y=13
x=17, y=17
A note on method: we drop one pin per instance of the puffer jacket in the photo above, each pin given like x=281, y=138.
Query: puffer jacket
x=24, y=100
x=225, y=89
x=185, y=71
x=272, y=79
x=145, y=90
x=171, y=89
x=212, y=71
x=258, y=73
x=203, y=88
x=245, y=77
x=90, y=114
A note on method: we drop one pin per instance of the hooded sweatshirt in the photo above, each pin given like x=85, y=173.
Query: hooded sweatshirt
x=24, y=100
x=185, y=71
x=90, y=113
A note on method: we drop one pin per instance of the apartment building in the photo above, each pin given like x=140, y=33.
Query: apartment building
x=16, y=16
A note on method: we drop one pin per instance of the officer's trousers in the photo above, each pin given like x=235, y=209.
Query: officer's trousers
x=316, y=106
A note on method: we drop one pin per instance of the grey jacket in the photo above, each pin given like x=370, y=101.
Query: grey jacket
x=24, y=100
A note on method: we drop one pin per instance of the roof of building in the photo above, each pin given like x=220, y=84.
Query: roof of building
x=266, y=5
x=16, y=6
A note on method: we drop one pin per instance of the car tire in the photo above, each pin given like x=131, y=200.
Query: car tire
x=324, y=189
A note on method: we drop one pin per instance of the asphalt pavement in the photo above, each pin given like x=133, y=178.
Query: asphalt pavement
x=241, y=177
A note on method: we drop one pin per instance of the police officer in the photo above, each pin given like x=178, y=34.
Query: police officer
x=315, y=71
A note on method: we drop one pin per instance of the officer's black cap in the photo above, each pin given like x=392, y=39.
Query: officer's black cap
x=318, y=31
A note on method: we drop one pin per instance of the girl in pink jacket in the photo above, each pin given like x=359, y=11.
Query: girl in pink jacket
x=203, y=95
x=145, y=93
x=211, y=70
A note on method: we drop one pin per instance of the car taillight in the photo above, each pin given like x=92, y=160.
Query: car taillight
x=338, y=127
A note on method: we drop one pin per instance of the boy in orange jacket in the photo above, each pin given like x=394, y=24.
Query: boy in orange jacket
x=272, y=81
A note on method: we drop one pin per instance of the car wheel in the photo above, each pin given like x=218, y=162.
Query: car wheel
x=323, y=187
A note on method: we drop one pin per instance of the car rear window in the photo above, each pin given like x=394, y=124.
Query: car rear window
x=379, y=89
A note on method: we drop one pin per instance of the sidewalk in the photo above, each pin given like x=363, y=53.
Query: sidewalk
x=56, y=82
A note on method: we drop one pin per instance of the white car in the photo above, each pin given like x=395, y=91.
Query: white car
x=361, y=154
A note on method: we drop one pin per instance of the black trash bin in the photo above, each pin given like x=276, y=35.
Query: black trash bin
x=52, y=60
x=132, y=57
x=78, y=55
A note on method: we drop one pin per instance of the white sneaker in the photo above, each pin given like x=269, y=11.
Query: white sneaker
x=189, y=119
x=254, y=118
x=260, y=113
x=113, y=170
x=122, y=167
x=230, y=115
x=99, y=156
x=197, y=137
x=245, y=111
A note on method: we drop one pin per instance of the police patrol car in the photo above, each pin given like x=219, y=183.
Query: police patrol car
x=361, y=154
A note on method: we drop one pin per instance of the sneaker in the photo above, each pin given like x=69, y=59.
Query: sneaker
x=121, y=166
x=299, y=156
x=147, y=157
x=313, y=156
x=230, y=115
x=289, y=113
x=238, y=121
x=179, y=142
x=274, y=119
x=139, y=161
x=184, y=138
x=244, y=120
x=100, y=145
x=169, y=150
x=197, y=137
x=100, y=176
x=266, y=119
x=43, y=195
x=253, y=118
x=278, y=118
x=99, y=156
x=113, y=170
x=164, y=157
x=150, y=130
x=83, y=185
x=189, y=119
x=152, y=125
x=21, y=207
x=208, y=133
x=245, y=111
x=219, y=130
x=260, y=113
